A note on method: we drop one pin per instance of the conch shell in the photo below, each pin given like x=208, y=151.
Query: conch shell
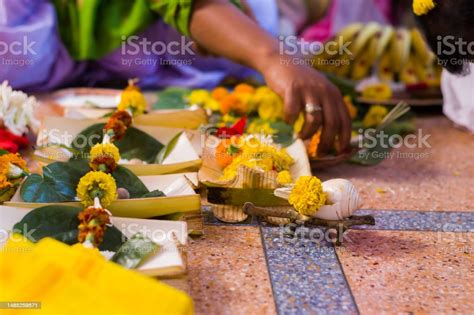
x=342, y=199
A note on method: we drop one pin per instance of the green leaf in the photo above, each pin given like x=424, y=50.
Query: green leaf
x=166, y=150
x=61, y=223
x=124, y=178
x=135, y=251
x=347, y=87
x=154, y=194
x=58, y=183
x=136, y=144
x=2, y=152
x=284, y=135
x=172, y=98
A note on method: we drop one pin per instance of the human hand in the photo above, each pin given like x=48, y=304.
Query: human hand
x=298, y=85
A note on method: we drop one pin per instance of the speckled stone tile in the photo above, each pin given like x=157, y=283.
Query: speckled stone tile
x=393, y=272
x=306, y=276
x=419, y=220
x=228, y=273
x=441, y=179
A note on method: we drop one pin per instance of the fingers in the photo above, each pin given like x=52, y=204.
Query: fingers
x=331, y=123
x=312, y=121
x=293, y=106
x=346, y=126
x=248, y=10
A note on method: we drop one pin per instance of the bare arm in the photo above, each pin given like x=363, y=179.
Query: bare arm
x=225, y=31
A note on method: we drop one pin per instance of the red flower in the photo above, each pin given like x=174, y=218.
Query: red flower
x=11, y=142
x=236, y=130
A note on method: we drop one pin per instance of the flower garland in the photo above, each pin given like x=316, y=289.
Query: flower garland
x=422, y=7
x=97, y=189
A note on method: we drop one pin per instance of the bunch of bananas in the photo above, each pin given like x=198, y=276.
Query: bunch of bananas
x=393, y=54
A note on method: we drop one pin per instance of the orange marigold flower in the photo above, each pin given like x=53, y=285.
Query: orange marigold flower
x=350, y=107
x=226, y=151
x=314, y=144
x=118, y=124
x=244, y=88
x=92, y=225
x=228, y=103
x=219, y=93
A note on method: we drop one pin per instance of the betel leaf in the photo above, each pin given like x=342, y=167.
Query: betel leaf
x=58, y=183
x=172, y=98
x=135, y=251
x=167, y=149
x=136, y=144
x=61, y=223
x=284, y=135
x=154, y=194
x=124, y=178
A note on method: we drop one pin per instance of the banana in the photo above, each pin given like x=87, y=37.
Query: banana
x=385, y=71
x=375, y=48
x=347, y=34
x=365, y=35
x=408, y=75
x=344, y=68
x=400, y=49
x=421, y=49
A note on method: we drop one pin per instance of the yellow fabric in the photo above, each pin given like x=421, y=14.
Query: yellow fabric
x=76, y=280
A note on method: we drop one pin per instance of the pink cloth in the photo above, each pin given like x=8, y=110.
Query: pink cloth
x=345, y=12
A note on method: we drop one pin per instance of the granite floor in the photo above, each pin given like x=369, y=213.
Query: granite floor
x=417, y=259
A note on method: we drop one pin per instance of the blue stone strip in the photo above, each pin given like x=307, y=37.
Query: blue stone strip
x=305, y=273
x=420, y=220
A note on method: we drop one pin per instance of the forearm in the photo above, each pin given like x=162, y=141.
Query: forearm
x=224, y=30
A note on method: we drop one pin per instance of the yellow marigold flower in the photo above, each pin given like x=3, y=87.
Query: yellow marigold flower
x=219, y=93
x=350, y=107
x=299, y=123
x=269, y=105
x=97, y=184
x=379, y=91
x=422, y=7
x=375, y=116
x=244, y=88
x=199, y=97
x=284, y=178
x=261, y=127
x=307, y=196
x=261, y=156
x=104, y=157
x=212, y=105
x=132, y=99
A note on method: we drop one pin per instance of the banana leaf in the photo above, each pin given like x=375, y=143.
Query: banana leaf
x=61, y=223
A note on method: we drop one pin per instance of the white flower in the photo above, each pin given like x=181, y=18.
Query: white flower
x=17, y=110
